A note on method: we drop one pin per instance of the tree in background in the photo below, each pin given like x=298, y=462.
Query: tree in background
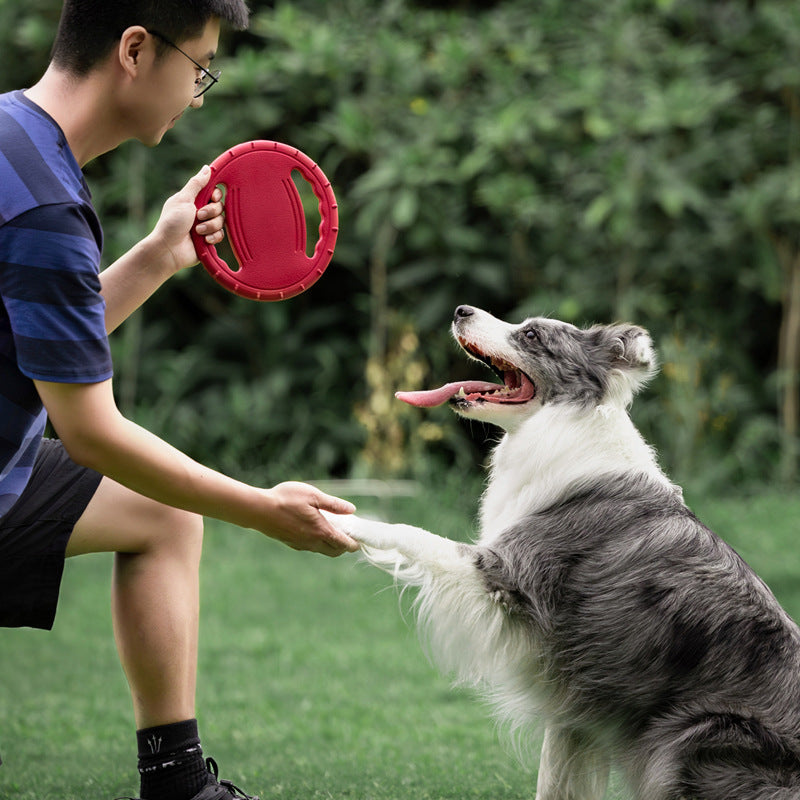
x=618, y=159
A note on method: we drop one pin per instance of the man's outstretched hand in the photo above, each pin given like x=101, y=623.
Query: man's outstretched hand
x=295, y=519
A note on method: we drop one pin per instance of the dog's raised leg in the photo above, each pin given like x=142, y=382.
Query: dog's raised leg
x=572, y=767
x=464, y=623
x=402, y=548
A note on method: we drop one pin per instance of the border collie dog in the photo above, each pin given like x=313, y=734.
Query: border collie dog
x=594, y=600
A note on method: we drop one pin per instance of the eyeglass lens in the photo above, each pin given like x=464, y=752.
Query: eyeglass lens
x=204, y=83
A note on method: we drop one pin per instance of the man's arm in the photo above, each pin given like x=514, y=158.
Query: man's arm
x=130, y=280
x=96, y=435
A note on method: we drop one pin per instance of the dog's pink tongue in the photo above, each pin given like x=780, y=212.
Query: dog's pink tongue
x=436, y=397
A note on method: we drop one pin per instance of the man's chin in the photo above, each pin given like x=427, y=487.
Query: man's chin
x=152, y=139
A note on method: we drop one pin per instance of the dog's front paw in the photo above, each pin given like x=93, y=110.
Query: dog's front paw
x=369, y=533
x=342, y=522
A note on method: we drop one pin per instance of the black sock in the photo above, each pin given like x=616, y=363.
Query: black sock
x=171, y=764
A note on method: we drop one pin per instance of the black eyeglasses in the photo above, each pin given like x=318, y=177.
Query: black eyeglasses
x=202, y=84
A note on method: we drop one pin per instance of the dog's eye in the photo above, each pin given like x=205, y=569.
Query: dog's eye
x=531, y=334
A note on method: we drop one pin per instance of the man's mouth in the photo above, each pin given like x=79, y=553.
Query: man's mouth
x=516, y=386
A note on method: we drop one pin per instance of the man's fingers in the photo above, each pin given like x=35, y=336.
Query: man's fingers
x=214, y=209
x=336, y=505
x=337, y=539
x=196, y=183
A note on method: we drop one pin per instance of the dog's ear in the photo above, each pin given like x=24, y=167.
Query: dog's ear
x=631, y=359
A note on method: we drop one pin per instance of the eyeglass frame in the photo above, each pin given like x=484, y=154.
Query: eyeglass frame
x=207, y=74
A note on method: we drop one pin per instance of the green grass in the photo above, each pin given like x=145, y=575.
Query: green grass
x=312, y=683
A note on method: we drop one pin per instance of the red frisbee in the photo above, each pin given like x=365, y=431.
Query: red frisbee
x=265, y=221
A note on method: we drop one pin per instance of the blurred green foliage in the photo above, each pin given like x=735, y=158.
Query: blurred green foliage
x=596, y=160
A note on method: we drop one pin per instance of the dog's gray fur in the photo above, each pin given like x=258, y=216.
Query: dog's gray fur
x=655, y=635
x=601, y=602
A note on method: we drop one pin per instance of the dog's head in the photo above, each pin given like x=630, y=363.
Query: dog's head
x=540, y=362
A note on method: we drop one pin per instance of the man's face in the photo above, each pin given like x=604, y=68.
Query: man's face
x=170, y=84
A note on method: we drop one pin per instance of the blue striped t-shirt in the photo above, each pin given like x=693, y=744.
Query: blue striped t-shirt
x=52, y=316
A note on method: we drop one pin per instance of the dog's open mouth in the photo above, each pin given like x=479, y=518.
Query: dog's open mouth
x=516, y=387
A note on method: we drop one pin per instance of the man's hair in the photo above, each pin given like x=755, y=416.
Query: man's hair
x=89, y=29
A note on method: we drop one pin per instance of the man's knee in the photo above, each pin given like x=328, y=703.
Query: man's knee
x=119, y=520
x=181, y=531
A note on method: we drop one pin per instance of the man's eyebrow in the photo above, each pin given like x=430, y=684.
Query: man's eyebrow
x=211, y=55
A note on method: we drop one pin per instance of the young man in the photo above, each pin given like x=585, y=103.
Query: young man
x=118, y=71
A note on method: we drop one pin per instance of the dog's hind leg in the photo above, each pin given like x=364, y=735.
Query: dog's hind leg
x=572, y=767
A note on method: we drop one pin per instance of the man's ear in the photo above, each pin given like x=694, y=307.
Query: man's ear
x=133, y=43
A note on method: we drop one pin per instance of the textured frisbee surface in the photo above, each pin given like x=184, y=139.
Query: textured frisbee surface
x=265, y=222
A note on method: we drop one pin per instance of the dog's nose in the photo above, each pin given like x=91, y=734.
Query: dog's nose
x=464, y=311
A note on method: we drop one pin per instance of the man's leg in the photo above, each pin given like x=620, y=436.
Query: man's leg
x=155, y=601
x=155, y=595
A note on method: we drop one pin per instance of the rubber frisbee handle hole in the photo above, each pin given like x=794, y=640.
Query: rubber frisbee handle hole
x=224, y=249
x=310, y=209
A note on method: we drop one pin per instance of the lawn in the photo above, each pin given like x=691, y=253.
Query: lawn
x=312, y=682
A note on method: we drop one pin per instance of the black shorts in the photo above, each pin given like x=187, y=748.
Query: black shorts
x=34, y=533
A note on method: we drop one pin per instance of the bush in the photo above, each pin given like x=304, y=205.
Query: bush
x=636, y=160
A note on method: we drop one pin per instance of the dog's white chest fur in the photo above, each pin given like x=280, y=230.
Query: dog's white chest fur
x=553, y=451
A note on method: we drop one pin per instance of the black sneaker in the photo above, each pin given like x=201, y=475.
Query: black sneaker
x=214, y=789
x=220, y=790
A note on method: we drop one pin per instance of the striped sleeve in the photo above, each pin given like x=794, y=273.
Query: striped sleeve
x=50, y=285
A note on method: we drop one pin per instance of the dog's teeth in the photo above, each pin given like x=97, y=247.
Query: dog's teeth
x=461, y=392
